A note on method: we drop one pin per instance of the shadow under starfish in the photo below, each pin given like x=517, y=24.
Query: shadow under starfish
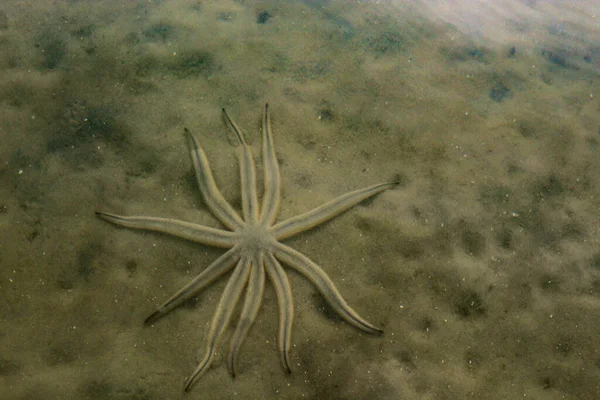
x=255, y=249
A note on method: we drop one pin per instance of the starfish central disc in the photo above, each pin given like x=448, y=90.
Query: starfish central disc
x=255, y=237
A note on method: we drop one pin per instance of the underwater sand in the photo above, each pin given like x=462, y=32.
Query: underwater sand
x=482, y=267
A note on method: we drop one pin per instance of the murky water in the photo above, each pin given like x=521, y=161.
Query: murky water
x=482, y=267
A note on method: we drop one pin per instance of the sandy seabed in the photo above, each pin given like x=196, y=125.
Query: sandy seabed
x=482, y=267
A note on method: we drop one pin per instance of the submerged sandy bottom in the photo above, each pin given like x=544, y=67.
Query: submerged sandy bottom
x=483, y=267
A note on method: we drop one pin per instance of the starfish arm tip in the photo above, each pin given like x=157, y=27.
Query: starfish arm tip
x=231, y=366
x=285, y=363
x=152, y=318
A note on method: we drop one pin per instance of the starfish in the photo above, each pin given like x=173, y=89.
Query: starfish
x=255, y=249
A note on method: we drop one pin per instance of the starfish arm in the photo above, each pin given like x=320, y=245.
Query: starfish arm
x=317, y=216
x=185, y=230
x=218, y=267
x=286, y=307
x=324, y=284
x=254, y=295
x=247, y=173
x=206, y=182
x=270, y=202
x=227, y=304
